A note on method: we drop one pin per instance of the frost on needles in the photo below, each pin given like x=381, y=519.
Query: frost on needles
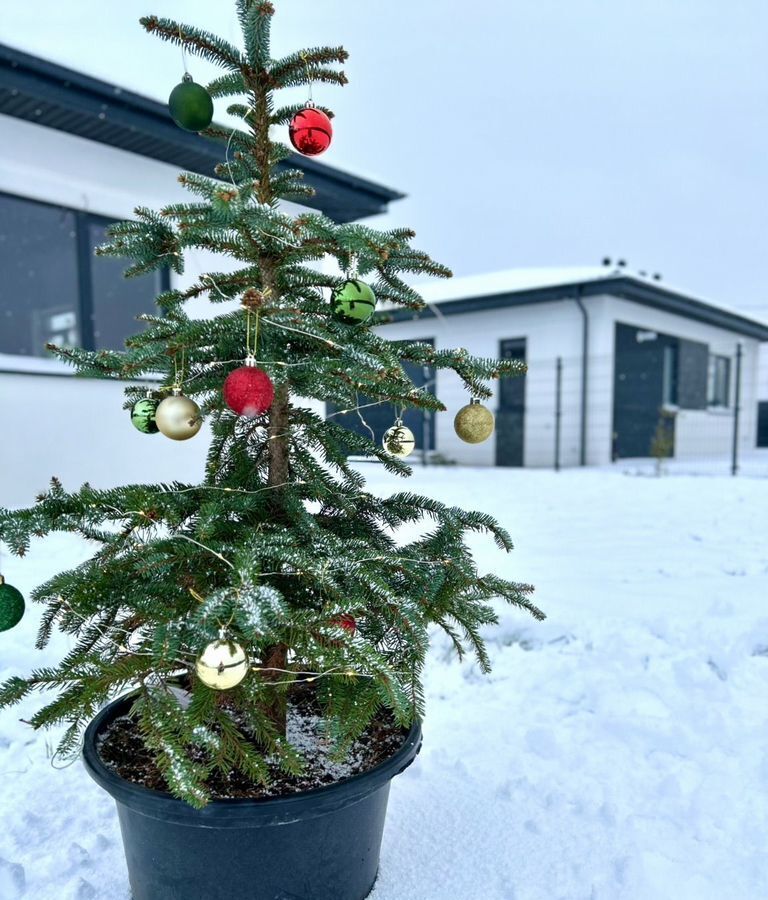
x=281, y=540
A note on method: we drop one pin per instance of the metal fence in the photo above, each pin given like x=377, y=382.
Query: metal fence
x=649, y=418
x=648, y=411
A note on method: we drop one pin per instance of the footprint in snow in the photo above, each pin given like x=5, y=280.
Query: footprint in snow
x=78, y=856
x=13, y=880
x=85, y=891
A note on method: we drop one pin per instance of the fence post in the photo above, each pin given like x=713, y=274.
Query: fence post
x=558, y=409
x=736, y=411
x=425, y=430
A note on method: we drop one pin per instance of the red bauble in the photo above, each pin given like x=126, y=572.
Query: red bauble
x=345, y=621
x=311, y=131
x=248, y=391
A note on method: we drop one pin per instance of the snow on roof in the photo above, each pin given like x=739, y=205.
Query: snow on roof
x=510, y=281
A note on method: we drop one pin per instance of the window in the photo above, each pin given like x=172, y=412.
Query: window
x=38, y=288
x=669, y=376
x=762, y=423
x=53, y=289
x=719, y=383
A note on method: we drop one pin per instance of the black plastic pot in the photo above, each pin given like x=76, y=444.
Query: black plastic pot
x=317, y=845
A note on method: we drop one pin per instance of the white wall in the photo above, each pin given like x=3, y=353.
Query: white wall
x=78, y=431
x=762, y=369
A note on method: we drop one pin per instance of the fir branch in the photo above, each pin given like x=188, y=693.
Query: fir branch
x=202, y=43
x=306, y=66
x=227, y=85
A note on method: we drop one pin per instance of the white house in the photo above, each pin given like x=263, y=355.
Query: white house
x=626, y=350
x=76, y=154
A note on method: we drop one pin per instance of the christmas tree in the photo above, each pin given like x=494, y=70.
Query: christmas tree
x=279, y=568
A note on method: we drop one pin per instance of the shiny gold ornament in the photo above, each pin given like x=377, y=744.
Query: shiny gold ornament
x=222, y=665
x=178, y=417
x=399, y=440
x=474, y=423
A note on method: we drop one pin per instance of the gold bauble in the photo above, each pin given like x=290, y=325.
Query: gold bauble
x=178, y=417
x=399, y=440
x=222, y=665
x=474, y=423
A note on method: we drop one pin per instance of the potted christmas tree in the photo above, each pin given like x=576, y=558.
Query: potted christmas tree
x=263, y=631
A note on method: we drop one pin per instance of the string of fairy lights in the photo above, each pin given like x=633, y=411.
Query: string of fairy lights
x=237, y=665
x=179, y=417
x=223, y=660
x=249, y=392
x=223, y=663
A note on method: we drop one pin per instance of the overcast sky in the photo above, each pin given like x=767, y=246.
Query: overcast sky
x=525, y=132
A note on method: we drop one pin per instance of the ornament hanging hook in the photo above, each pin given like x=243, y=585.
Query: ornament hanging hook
x=251, y=335
x=226, y=157
x=353, y=271
x=187, y=76
x=178, y=373
x=310, y=102
x=362, y=418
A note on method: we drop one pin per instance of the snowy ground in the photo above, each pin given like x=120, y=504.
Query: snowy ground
x=617, y=752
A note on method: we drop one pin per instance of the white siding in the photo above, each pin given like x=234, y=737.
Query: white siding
x=78, y=431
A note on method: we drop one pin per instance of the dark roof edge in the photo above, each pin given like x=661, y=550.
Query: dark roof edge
x=626, y=288
x=68, y=91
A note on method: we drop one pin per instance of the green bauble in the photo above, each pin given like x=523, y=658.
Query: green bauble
x=11, y=606
x=143, y=416
x=354, y=302
x=190, y=105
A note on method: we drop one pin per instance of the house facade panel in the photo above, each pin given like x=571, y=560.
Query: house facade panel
x=698, y=432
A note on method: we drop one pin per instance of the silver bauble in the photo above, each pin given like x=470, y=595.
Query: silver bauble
x=178, y=417
x=222, y=665
x=399, y=440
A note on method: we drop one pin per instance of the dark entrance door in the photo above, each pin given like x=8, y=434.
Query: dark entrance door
x=510, y=417
x=645, y=378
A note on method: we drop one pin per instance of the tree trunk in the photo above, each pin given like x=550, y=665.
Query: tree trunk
x=276, y=656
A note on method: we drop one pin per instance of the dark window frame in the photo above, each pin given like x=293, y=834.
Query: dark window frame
x=719, y=388
x=761, y=438
x=83, y=260
x=670, y=374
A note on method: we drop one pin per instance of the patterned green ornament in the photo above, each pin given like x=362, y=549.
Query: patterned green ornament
x=354, y=302
x=143, y=415
x=11, y=606
x=190, y=105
